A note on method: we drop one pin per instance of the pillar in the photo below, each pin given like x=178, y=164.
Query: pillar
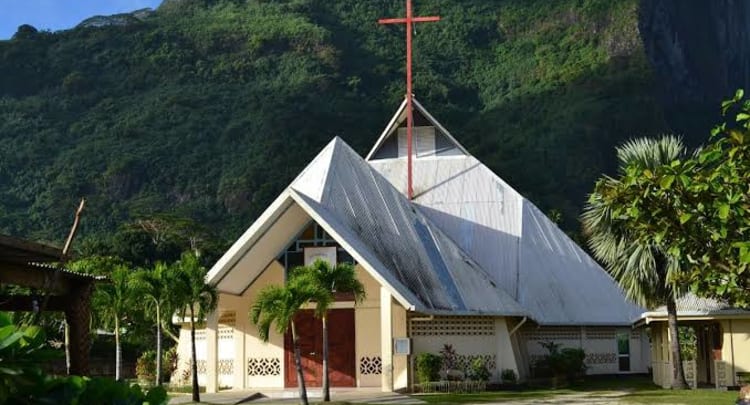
x=505, y=356
x=78, y=317
x=386, y=340
x=240, y=360
x=212, y=352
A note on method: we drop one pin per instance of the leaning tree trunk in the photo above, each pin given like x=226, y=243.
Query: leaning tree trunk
x=196, y=389
x=678, y=374
x=118, y=350
x=326, y=382
x=158, y=346
x=298, y=364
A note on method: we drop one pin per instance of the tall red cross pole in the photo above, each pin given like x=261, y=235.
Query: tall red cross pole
x=409, y=21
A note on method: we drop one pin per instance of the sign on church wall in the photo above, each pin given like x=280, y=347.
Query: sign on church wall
x=324, y=253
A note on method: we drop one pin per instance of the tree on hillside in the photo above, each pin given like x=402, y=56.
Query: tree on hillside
x=112, y=301
x=340, y=279
x=638, y=262
x=156, y=285
x=279, y=305
x=195, y=299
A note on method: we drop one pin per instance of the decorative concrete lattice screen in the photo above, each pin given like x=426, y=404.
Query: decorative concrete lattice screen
x=226, y=367
x=544, y=334
x=635, y=335
x=370, y=365
x=600, y=358
x=201, y=365
x=600, y=334
x=454, y=326
x=228, y=318
x=226, y=333
x=464, y=361
x=263, y=366
x=200, y=335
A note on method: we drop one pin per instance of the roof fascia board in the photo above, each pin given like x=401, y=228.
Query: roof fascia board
x=440, y=126
x=388, y=129
x=227, y=262
x=357, y=256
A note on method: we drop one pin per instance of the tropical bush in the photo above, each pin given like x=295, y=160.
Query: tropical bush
x=24, y=348
x=428, y=367
x=560, y=362
x=145, y=367
x=478, y=370
x=508, y=376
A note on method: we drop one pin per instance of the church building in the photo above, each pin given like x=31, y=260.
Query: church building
x=467, y=262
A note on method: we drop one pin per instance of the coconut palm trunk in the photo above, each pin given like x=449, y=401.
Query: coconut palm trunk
x=326, y=377
x=118, y=350
x=298, y=364
x=678, y=374
x=196, y=389
x=158, y=345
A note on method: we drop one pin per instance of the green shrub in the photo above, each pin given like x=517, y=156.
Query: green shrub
x=145, y=367
x=24, y=349
x=508, y=376
x=428, y=367
x=568, y=362
x=478, y=370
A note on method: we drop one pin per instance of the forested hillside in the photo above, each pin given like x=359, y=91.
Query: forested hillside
x=198, y=114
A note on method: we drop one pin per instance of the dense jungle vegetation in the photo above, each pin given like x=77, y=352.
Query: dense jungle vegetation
x=180, y=125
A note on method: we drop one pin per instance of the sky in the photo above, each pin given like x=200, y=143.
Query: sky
x=60, y=14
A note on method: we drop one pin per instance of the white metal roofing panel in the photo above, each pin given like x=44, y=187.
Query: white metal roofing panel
x=410, y=248
x=526, y=253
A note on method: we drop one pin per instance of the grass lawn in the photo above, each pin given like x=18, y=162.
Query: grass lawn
x=624, y=390
x=621, y=390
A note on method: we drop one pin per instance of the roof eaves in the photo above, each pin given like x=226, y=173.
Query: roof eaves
x=249, y=238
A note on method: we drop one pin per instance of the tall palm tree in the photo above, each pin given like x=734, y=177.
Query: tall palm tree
x=112, y=301
x=340, y=278
x=279, y=305
x=639, y=265
x=195, y=298
x=156, y=285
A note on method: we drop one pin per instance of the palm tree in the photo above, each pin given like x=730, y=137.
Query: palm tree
x=639, y=265
x=156, y=285
x=340, y=278
x=194, y=297
x=112, y=301
x=279, y=305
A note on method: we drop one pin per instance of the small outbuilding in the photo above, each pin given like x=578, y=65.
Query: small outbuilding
x=722, y=355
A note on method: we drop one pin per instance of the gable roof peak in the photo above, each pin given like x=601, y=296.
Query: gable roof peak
x=400, y=116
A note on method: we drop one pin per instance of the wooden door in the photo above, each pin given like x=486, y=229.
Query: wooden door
x=341, y=349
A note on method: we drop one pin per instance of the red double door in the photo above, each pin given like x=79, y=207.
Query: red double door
x=341, y=356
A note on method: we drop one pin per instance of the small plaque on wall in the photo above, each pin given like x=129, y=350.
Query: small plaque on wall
x=402, y=346
x=324, y=253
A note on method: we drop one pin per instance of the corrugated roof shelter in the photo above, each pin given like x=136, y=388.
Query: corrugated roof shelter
x=29, y=264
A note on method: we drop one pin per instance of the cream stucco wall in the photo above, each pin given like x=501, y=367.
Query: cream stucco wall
x=367, y=332
x=598, y=342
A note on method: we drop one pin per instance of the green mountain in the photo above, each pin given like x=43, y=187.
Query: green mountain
x=202, y=111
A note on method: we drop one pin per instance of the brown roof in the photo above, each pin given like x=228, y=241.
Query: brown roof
x=19, y=251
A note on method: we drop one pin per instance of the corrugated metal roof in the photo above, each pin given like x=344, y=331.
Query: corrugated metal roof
x=411, y=251
x=382, y=229
x=525, y=253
